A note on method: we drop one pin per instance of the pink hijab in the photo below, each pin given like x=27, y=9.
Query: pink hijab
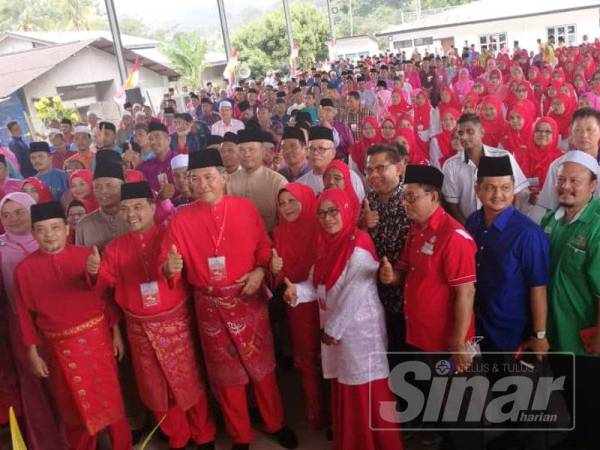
x=14, y=247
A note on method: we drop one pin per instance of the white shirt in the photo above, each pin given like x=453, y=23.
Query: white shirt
x=548, y=198
x=460, y=176
x=219, y=128
x=354, y=315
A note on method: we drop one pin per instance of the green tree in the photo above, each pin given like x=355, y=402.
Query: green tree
x=76, y=15
x=49, y=109
x=263, y=44
x=186, y=52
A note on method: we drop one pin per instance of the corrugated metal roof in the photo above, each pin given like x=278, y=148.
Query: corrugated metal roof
x=21, y=68
x=64, y=37
x=487, y=10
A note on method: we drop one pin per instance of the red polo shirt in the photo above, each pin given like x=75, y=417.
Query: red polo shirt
x=436, y=258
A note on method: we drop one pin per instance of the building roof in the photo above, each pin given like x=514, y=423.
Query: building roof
x=486, y=11
x=21, y=68
x=357, y=37
x=64, y=37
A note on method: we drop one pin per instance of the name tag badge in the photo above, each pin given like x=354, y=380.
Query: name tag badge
x=534, y=181
x=217, y=268
x=353, y=126
x=150, y=294
x=427, y=248
x=322, y=297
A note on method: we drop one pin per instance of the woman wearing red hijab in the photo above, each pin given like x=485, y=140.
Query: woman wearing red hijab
x=295, y=246
x=81, y=188
x=344, y=280
x=440, y=146
x=399, y=106
x=424, y=119
x=541, y=151
x=416, y=154
x=37, y=189
x=388, y=128
x=518, y=130
x=491, y=119
x=370, y=135
x=337, y=175
x=561, y=110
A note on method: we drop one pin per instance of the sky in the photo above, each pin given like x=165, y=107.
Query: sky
x=191, y=14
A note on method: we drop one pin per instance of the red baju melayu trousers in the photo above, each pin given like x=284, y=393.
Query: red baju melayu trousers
x=234, y=330
x=159, y=331
x=55, y=304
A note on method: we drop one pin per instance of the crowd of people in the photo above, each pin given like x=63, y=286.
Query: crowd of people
x=391, y=204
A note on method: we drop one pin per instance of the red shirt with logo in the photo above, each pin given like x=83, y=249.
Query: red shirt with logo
x=437, y=258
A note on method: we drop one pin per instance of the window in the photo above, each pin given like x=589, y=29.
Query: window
x=493, y=42
x=423, y=41
x=406, y=43
x=568, y=32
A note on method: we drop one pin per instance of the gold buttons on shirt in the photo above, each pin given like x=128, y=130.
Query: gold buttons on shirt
x=72, y=366
x=77, y=379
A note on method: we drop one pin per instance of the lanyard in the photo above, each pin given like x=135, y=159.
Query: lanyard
x=217, y=242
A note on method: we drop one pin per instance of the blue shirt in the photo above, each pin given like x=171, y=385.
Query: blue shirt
x=21, y=151
x=513, y=255
x=56, y=180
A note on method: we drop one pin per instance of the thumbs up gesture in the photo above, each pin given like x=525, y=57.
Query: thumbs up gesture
x=276, y=263
x=92, y=264
x=174, y=263
x=290, y=296
x=167, y=190
x=371, y=218
x=386, y=272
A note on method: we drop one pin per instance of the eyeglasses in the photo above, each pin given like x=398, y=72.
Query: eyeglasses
x=323, y=213
x=319, y=150
x=411, y=198
x=379, y=169
x=543, y=131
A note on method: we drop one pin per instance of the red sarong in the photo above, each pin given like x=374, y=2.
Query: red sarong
x=83, y=373
x=235, y=334
x=164, y=359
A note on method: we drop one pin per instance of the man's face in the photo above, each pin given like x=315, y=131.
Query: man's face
x=226, y=113
x=51, y=235
x=160, y=142
x=585, y=134
x=263, y=115
x=327, y=113
x=382, y=175
x=496, y=193
x=16, y=130
x=293, y=152
x=74, y=215
x=65, y=128
x=41, y=161
x=574, y=185
x=229, y=155
x=108, y=137
x=107, y=191
x=418, y=203
x=321, y=153
x=207, y=184
x=180, y=178
x=252, y=97
x=251, y=155
x=58, y=142
x=207, y=108
x=140, y=137
x=138, y=213
x=127, y=121
x=470, y=135
x=353, y=103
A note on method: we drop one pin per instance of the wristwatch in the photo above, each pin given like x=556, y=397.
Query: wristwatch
x=540, y=334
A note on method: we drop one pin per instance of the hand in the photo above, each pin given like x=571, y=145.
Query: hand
x=328, y=340
x=118, y=345
x=371, y=218
x=167, y=190
x=92, y=264
x=290, y=296
x=386, y=272
x=174, y=263
x=539, y=346
x=461, y=358
x=276, y=263
x=38, y=365
x=251, y=281
x=131, y=159
x=533, y=196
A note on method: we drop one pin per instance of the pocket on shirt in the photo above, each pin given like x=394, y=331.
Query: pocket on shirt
x=574, y=260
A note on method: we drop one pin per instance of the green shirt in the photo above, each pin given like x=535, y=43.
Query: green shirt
x=575, y=276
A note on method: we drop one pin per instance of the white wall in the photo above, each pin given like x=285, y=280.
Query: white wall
x=525, y=30
x=12, y=45
x=89, y=65
x=352, y=46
